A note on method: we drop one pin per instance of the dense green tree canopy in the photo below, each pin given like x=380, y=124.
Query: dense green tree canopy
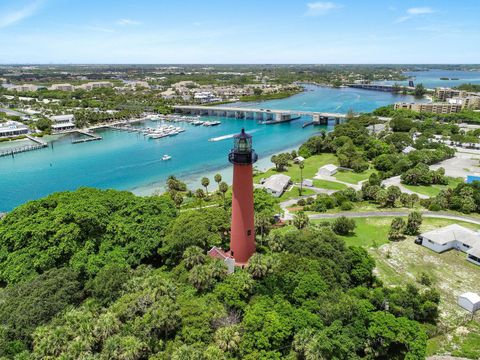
x=85, y=229
x=145, y=288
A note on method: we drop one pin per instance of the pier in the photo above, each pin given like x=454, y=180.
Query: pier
x=39, y=144
x=266, y=116
x=89, y=137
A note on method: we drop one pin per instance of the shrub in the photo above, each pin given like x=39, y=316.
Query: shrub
x=343, y=225
x=346, y=205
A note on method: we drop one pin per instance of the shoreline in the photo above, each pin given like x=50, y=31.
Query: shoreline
x=193, y=180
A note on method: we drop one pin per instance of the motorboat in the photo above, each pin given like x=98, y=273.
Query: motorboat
x=166, y=157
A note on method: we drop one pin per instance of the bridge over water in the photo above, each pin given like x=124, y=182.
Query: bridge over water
x=270, y=116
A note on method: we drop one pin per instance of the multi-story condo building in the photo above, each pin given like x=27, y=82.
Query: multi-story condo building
x=438, y=108
x=25, y=87
x=443, y=93
x=62, y=87
x=95, y=85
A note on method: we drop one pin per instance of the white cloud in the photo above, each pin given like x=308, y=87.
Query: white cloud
x=128, y=22
x=321, y=8
x=100, y=29
x=419, y=11
x=412, y=12
x=12, y=17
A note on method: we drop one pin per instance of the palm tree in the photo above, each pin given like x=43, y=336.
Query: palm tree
x=218, y=269
x=200, y=194
x=223, y=187
x=192, y=256
x=205, y=183
x=228, y=338
x=301, y=165
x=218, y=179
x=257, y=266
x=262, y=222
x=300, y=220
x=200, y=277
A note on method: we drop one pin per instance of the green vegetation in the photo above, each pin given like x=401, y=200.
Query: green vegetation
x=463, y=342
x=270, y=96
x=464, y=198
x=469, y=87
x=329, y=185
x=127, y=277
x=353, y=177
x=295, y=193
x=434, y=190
x=311, y=166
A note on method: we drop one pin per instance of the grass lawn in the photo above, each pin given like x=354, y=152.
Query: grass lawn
x=329, y=185
x=353, y=177
x=293, y=193
x=311, y=167
x=463, y=341
x=433, y=190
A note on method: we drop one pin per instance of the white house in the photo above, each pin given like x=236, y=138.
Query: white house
x=276, y=184
x=328, y=170
x=469, y=301
x=299, y=159
x=453, y=237
x=307, y=182
x=12, y=128
x=62, y=122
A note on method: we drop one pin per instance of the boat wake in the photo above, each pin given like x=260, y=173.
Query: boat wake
x=229, y=136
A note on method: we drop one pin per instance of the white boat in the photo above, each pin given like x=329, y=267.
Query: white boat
x=166, y=157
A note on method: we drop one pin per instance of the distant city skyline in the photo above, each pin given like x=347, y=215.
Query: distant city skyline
x=220, y=32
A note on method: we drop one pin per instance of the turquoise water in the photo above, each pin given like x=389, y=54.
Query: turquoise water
x=129, y=161
x=431, y=78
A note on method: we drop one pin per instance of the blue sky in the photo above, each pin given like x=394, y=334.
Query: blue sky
x=241, y=31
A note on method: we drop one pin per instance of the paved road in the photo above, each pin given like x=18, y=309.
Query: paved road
x=396, y=181
x=427, y=214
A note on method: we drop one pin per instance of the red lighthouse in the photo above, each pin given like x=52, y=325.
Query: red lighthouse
x=242, y=240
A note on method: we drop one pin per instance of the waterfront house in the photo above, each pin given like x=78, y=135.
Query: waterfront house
x=63, y=122
x=453, y=237
x=12, y=128
x=276, y=184
x=327, y=170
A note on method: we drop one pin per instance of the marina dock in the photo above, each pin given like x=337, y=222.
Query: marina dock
x=39, y=144
x=89, y=137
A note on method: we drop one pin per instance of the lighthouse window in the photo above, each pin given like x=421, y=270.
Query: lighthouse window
x=249, y=232
x=242, y=145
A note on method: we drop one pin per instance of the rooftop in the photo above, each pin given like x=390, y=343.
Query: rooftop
x=277, y=182
x=453, y=232
x=472, y=297
x=329, y=167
